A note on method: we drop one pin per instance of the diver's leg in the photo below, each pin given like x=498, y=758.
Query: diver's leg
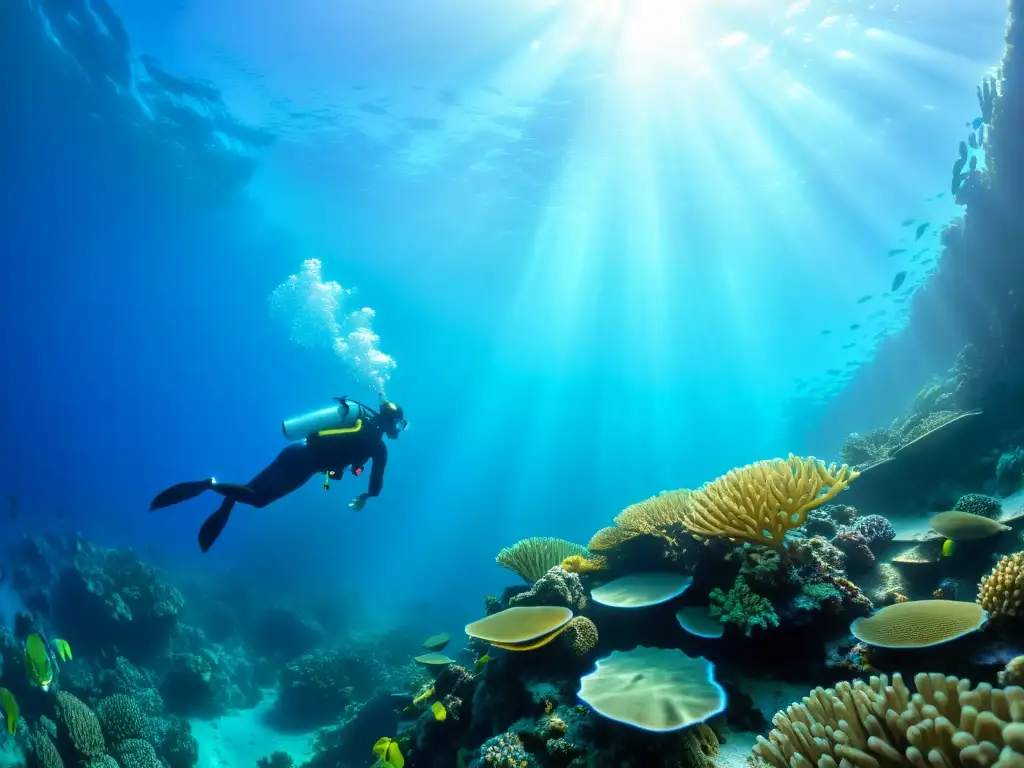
x=288, y=472
x=214, y=524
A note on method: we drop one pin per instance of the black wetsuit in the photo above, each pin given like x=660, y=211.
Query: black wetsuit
x=300, y=461
x=293, y=467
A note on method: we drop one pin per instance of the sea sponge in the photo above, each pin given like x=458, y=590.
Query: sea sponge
x=583, y=565
x=1001, y=593
x=760, y=502
x=653, y=689
x=699, y=746
x=121, y=718
x=77, y=725
x=556, y=587
x=979, y=504
x=580, y=635
x=946, y=723
x=532, y=558
x=919, y=623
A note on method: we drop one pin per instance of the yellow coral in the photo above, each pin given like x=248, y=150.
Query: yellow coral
x=946, y=723
x=610, y=538
x=580, y=564
x=655, y=516
x=1001, y=593
x=760, y=502
x=532, y=558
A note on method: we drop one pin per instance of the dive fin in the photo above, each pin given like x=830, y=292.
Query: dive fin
x=179, y=493
x=214, y=524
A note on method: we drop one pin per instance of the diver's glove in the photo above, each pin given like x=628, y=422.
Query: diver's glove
x=358, y=502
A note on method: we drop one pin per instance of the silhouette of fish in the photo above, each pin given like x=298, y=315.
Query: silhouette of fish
x=921, y=229
x=855, y=326
x=898, y=251
x=863, y=299
x=898, y=280
x=907, y=222
x=826, y=332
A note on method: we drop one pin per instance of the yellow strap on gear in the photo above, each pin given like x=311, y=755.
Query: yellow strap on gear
x=343, y=430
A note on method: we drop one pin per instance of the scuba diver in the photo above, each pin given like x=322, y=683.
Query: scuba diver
x=328, y=441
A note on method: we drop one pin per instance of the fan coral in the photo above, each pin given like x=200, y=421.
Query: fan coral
x=876, y=530
x=78, y=725
x=534, y=557
x=1002, y=591
x=760, y=502
x=979, y=504
x=946, y=723
x=863, y=450
x=556, y=587
x=743, y=607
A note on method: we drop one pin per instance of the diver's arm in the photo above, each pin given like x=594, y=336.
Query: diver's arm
x=380, y=461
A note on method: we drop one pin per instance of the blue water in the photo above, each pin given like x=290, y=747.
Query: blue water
x=601, y=241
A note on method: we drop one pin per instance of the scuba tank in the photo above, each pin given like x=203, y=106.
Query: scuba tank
x=344, y=415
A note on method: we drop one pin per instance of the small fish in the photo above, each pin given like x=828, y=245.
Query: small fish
x=966, y=526
x=833, y=371
x=921, y=229
x=826, y=332
x=851, y=345
x=947, y=547
x=907, y=222
x=898, y=251
x=898, y=280
x=855, y=326
x=864, y=299
x=976, y=123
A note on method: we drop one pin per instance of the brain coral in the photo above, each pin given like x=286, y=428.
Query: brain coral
x=946, y=723
x=979, y=504
x=78, y=725
x=121, y=718
x=1002, y=591
x=919, y=623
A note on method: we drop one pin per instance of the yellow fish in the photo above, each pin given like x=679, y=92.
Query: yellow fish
x=37, y=662
x=440, y=713
x=947, y=547
x=387, y=750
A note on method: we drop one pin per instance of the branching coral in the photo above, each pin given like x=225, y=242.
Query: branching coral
x=760, y=502
x=743, y=607
x=532, y=558
x=78, y=726
x=121, y=718
x=946, y=723
x=656, y=516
